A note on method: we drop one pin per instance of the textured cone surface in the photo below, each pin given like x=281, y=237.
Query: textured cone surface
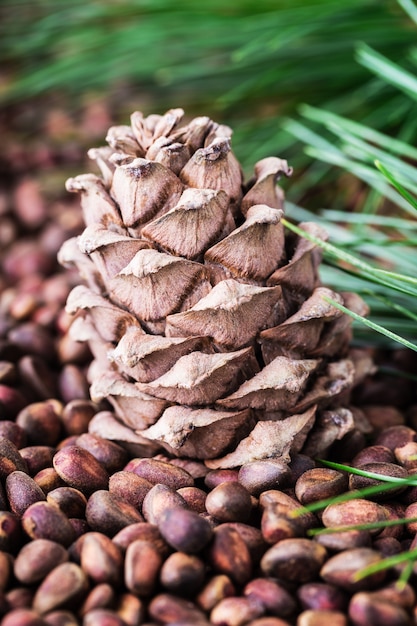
x=211, y=334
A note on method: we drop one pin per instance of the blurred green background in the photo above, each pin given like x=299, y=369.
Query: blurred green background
x=248, y=63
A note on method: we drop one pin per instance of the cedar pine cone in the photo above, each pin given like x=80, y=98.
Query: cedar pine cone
x=211, y=334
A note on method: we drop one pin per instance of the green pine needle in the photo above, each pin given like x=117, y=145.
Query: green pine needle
x=386, y=69
x=400, y=282
x=387, y=483
x=394, y=182
x=373, y=326
x=380, y=525
x=410, y=8
x=367, y=474
x=387, y=563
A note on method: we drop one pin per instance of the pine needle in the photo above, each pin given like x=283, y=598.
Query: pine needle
x=394, y=182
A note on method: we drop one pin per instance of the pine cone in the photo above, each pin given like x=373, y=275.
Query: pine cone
x=210, y=331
